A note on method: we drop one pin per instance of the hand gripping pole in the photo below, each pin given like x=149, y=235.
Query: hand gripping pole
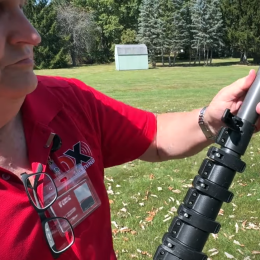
x=189, y=231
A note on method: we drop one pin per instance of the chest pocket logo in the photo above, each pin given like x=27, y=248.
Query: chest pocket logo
x=79, y=154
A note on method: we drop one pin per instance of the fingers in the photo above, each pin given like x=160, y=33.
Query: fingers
x=239, y=87
x=258, y=108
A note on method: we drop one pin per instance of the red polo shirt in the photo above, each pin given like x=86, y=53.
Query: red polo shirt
x=105, y=131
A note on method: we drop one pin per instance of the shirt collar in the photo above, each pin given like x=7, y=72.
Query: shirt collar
x=41, y=105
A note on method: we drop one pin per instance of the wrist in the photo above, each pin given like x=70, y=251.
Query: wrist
x=205, y=126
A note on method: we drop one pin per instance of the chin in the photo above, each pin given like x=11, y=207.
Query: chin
x=18, y=85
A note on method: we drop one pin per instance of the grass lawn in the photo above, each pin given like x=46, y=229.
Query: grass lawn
x=144, y=196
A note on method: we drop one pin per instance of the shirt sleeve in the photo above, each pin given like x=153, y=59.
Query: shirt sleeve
x=125, y=132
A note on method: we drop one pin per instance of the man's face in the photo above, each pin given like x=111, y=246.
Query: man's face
x=17, y=39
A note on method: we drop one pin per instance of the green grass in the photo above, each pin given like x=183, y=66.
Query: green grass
x=163, y=90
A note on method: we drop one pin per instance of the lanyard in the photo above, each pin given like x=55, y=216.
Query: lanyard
x=56, y=143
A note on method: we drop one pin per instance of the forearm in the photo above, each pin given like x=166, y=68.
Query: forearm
x=179, y=135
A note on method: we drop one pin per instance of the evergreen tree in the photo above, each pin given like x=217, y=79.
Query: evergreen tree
x=181, y=34
x=242, y=21
x=160, y=29
x=199, y=26
x=216, y=27
x=150, y=27
x=169, y=26
x=190, y=35
x=52, y=52
x=207, y=26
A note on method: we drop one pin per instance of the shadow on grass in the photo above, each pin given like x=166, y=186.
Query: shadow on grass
x=217, y=64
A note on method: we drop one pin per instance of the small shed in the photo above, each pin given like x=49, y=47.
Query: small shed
x=131, y=57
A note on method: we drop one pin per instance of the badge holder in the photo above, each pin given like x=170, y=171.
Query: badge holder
x=77, y=197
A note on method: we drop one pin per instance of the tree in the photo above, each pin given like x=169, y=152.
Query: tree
x=80, y=27
x=239, y=17
x=128, y=12
x=151, y=28
x=52, y=52
x=181, y=34
x=167, y=10
x=128, y=36
x=106, y=14
x=207, y=27
x=216, y=27
x=199, y=26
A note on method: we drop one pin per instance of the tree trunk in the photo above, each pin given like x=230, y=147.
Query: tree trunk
x=207, y=56
x=170, y=60
x=162, y=58
x=73, y=57
x=243, y=57
x=190, y=51
x=256, y=57
x=204, y=54
x=211, y=54
x=199, y=56
x=153, y=60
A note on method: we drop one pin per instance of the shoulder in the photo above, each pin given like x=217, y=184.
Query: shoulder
x=59, y=82
x=63, y=87
x=69, y=87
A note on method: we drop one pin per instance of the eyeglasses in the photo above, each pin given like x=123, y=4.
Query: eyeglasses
x=42, y=193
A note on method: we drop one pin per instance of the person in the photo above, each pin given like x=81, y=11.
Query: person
x=93, y=130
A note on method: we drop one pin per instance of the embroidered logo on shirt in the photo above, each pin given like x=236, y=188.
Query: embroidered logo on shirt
x=80, y=153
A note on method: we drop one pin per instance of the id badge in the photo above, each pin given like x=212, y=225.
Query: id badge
x=77, y=197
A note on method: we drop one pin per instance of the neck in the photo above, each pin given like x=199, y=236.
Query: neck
x=9, y=109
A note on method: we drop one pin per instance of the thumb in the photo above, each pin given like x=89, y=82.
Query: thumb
x=241, y=86
x=258, y=108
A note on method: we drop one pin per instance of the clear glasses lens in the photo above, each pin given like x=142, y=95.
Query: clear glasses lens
x=42, y=190
x=59, y=234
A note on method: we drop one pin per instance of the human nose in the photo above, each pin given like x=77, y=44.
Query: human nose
x=23, y=32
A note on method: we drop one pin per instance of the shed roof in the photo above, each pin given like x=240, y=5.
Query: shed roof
x=131, y=49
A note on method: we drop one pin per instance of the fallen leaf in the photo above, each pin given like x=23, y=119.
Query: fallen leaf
x=256, y=252
x=124, y=229
x=237, y=243
x=114, y=223
x=240, y=251
x=221, y=212
x=167, y=219
x=176, y=191
x=237, y=228
x=215, y=236
x=151, y=177
x=229, y=256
